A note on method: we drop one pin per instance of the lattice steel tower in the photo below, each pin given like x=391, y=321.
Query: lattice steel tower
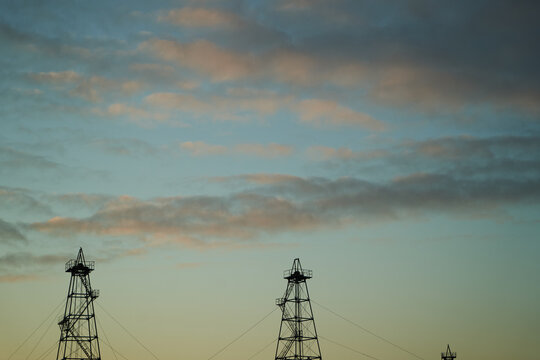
x=297, y=333
x=449, y=355
x=78, y=330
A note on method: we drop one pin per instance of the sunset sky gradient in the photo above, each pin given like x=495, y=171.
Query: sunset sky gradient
x=195, y=148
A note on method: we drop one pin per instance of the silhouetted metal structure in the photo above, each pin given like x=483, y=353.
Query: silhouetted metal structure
x=78, y=329
x=449, y=355
x=297, y=333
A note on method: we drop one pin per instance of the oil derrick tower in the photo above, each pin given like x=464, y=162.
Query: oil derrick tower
x=78, y=330
x=297, y=333
x=449, y=355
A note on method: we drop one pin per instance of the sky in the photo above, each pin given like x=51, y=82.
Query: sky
x=193, y=149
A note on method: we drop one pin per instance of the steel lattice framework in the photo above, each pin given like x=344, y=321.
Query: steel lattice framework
x=449, y=355
x=297, y=333
x=78, y=329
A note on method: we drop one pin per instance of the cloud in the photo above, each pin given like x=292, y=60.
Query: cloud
x=77, y=200
x=203, y=57
x=245, y=104
x=135, y=114
x=281, y=65
x=189, y=220
x=199, y=148
x=17, y=202
x=485, y=60
x=459, y=147
x=68, y=76
x=90, y=88
x=325, y=112
x=266, y=179
x=281, y=203
x=232, y=28
x=202, y=17
x=25, y=266
x=272, y=150
x=9, y=233
x=25, y=259
x=260, y=179
x=124, y=146
x=295, y=5
x=14, y=159
x=392, y=59
x=464, y=157
x=234, y=107
x=328, y=153
x=153, y=71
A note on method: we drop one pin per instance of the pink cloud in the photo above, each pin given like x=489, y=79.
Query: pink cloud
x=199, y=148
x=204, y=57
x=261, y=179
x=90, y=88
x=329, y=113
x=323, y=153
x=235, y=107
x=314, y=112
x=201, y=17
x=134, y=113
x=68, y=76
x=272, y=150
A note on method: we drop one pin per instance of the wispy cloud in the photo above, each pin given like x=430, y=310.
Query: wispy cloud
x=16, y=202
x=76, y=200
x=25, y=266
x=324, y=153
x=283, y=65
x=11, y=158
x=234, y=107
x=280, y=203
x=124, y=146
x=200, y=148
x=260, y=179
x=25, y=259
x=330, y=113
x=202, y=17
x=68, y=76
x=204, y=57
x=9, y=233
x=90, y=88
x=461, y=156
x=272, y=150
x=135, y=114
x=244, y=105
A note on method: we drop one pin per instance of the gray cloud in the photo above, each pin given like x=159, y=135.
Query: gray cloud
x=26, y=266
x=295, y=204
x=514, y=157
x=125, y=146
x=24, y=205
x=11, y=158
x=421, y=53
x=410, y=53
x=17, y=201
x=25, y=259
x=9, y=233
